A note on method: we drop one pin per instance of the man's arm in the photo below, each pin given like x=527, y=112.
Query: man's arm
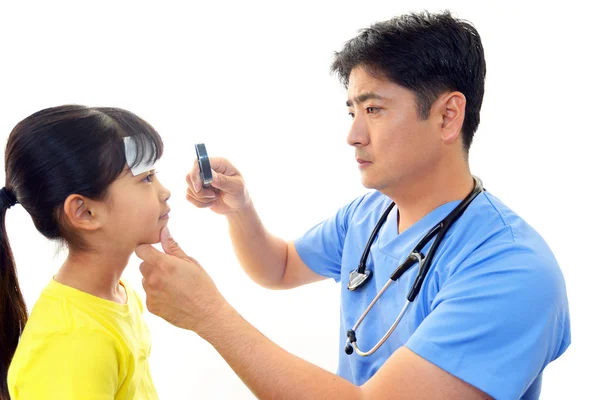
x=272, y=373
x=268, y=260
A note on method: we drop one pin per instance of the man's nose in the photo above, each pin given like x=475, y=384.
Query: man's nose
x=358, y=134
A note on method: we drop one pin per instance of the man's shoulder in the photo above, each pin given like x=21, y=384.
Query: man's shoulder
x=492, y=237
x=492, y=221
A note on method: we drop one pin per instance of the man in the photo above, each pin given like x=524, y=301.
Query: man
x=492, y=311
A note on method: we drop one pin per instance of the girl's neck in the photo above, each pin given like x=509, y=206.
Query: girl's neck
x=95, y=273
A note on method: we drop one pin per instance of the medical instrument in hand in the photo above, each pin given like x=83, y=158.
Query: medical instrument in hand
x=204, y=164
x=360, y=276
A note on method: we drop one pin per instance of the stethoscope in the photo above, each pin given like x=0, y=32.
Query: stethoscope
x=361, y=275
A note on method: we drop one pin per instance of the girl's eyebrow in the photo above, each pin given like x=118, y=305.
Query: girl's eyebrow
x=145, y=174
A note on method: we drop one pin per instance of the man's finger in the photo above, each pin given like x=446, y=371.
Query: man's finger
x=204, y=193
x=195, y=177
x=222, y=166
x=169, y=245
x=144, y=268
x=148, y=253
x=200, y=204
x=200, y=196
x=228, y=184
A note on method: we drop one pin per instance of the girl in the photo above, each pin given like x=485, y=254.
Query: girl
x=86, y=177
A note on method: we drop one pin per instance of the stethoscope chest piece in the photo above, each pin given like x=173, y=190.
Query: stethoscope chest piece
x=358, y=279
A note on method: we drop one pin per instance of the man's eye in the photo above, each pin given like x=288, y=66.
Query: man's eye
x=372, y=110
x=351, y=114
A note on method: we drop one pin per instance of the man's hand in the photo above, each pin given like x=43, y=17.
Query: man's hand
x=228, y=193
x=177, y=288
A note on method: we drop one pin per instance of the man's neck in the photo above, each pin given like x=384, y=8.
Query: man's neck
x=95, y=273
x=427, y=192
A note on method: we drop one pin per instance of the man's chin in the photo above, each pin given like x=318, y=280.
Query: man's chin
x=368, y=183
x=375, y=185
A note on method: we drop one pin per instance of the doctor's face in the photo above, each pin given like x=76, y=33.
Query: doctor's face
x=393, y=145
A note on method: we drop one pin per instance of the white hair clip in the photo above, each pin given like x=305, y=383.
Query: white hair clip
x=131, y=153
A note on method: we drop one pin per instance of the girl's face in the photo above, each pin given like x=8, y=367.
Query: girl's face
x=136, y=210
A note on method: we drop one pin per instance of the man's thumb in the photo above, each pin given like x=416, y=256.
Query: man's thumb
x=169, y=245
x=222, y=182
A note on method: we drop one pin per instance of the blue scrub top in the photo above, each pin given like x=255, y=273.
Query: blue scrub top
x=492, y=311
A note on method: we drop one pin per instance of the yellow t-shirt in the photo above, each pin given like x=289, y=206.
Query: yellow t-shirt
x=79, y=346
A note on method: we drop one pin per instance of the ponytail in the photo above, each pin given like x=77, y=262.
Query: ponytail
x=13, y=311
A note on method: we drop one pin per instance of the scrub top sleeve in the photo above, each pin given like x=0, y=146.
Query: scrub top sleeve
x=321, y=247
x=497, y=321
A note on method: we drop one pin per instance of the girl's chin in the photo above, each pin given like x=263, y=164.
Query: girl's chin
x=154, y=239
x=154, y=236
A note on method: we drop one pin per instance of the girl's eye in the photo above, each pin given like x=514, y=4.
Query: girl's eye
x=148, y=178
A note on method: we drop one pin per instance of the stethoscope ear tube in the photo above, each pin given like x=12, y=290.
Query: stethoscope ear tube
x=414, y=257
x=363, y=259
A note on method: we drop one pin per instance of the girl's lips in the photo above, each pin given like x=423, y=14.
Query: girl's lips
x=165, y=215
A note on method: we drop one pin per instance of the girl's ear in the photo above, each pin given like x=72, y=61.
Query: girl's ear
x=82, y=213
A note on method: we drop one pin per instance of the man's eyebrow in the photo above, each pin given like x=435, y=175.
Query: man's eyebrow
x=362, y=98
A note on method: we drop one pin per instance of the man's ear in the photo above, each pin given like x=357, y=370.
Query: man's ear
x=451, y=107
x=81, y=212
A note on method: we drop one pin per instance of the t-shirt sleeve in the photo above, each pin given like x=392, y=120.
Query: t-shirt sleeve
x=77, y=365
x=497, y=321
x=322, y=246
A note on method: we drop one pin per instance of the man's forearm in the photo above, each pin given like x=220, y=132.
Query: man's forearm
x=269, y=371
x=262, y=255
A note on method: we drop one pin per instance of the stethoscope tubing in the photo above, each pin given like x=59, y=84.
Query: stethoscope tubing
x=388, y=333
x=439, y=231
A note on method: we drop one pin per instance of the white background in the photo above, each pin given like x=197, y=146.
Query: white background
x=251, y=80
